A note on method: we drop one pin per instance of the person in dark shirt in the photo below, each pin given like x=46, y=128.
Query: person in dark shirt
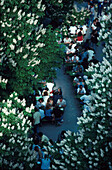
x=95, y=61
x=98, y=25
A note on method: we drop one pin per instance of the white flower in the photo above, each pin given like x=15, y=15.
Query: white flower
x=15, y=9
x=22, y=1
x=25, y=56
x=12, y=47
x=35, y=22
x=1, y=134
x=19, y=38
x=14, y=41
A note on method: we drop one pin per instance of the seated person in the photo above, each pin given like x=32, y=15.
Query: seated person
x=95, y=61
x=73, y=30
x=58, y=114
x=98, y=25
x=85, y=99
x=78, y=67
x=38, y=153
x=105, y=17
x=84, y=55
x=81, y=90
x=67, y=40
x=43, y=138
x=85, y=63
x=70, y=49
x=40, y=104
x=76, y=79
x=50, y=86
x=79, y=38
x=75, y=58
x=59, y=91
x=80, y=82
x=45, y=96
x=84, y=27
x=49, y=112
x=67, y=59
x=61, y=102
x=80, y=73
x=93, y=26
x=90, y=53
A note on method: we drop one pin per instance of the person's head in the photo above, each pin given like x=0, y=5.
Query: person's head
x=106, y=13
x=59, y=89
x=91, y=5
x=36, y=109
x=41, y=100
x=45, y=93
x=80, y=78
x=40, y=134
x=36, y=148
x=51, y=141
x=78, y=64
x=94, y=21
x=80, y=70
x=48, y=106
x=80, y=86
x=61, y=98
x=63, y=133
x=79, y=33
x=93, y=57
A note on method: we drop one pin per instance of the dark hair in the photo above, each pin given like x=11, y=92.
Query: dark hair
x=45, y=93
x=36, y=148
x=80, y=33
x=36, y=109
x=41, y=99
x=40, y=134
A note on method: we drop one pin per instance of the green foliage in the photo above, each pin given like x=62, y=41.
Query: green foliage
x=26, y=47
x=14, y=129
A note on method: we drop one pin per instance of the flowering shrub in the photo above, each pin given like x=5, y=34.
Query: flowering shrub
x=24, y=46
x=91, y=146
x=15, y=126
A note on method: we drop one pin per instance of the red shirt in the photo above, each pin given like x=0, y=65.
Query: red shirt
x=80, y=38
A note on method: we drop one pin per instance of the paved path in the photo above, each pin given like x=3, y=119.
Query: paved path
x=72, y=110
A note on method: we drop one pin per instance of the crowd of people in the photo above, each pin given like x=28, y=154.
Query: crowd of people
x=79, y=55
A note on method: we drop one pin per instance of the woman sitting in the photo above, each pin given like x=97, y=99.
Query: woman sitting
x=79, y=38
x=49, y=113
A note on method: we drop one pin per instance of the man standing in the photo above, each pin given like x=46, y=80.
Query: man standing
x=100, y=6
x=92, y=10
x=36, y=120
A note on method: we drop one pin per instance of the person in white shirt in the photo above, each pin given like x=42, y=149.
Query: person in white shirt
x=84, y=29
x=105, y=17
x=81, y=90
x=75, y=58
x=86, y=98
x=36, y=120
x=67, y=40
x=61, y=102
x=70, y=50
x=43, y=138
x=73, y=30
x=93, y=26
x=40, y=103
x=90, y=54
